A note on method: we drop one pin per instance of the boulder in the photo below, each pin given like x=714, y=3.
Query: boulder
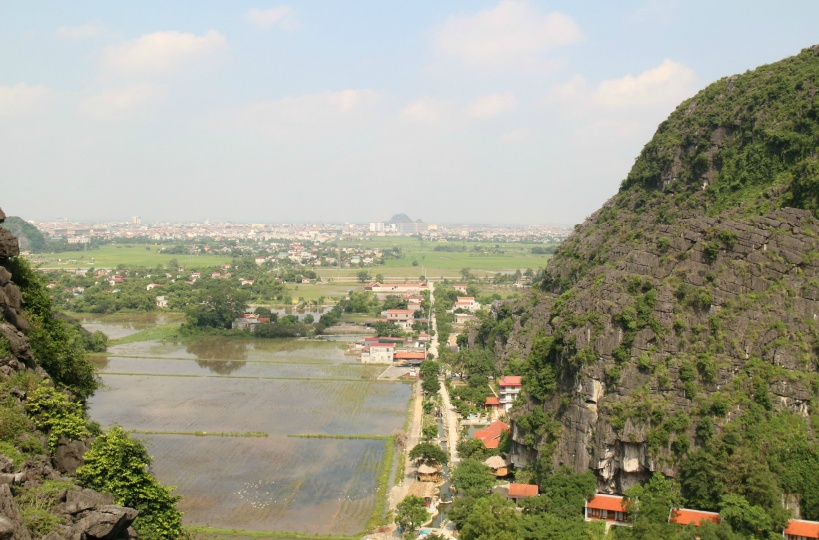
x=78, y=501
x=69, y=455
x=9, y=247
x=11, y=519
x=105, y=523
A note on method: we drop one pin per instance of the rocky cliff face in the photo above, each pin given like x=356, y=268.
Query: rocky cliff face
x=75, y=512
x=695, y=289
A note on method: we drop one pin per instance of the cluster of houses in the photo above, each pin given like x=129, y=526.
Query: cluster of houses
x=612, y=509
x=392, y=350
x=509, y=388
x=410, y=293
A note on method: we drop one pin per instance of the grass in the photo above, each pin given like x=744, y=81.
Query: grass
x=380, y=505
x=162, y=331
x=110, y=256
x=202, y=433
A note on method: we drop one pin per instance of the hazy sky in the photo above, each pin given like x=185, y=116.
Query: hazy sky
x=511, y=111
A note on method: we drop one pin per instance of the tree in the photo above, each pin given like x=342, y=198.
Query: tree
x=429, y=454
x=492, y=518
x=466, y=273
x=118, y=464
x=217, y=305
x=472, y=478
x=651, y=501
x=379, y=278
x=411, y=513
x=363, y=276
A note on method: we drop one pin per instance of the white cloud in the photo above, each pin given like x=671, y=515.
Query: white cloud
x=118, y=103
x=425, y=110
x=665, y=85
x=162, y=51
x=513, y=33
x=85, y=31
x=661, y=87
x=492, y=105
x=282, y=16
x=310, y=115
x=21, y=98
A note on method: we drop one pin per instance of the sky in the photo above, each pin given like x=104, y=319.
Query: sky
x=503, y=111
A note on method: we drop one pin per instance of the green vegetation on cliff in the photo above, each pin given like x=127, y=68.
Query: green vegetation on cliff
x=676, y=331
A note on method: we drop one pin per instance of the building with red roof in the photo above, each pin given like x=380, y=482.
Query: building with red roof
x=608, y=508
x=492, y=404
x=521, y=491
x=684, y=516
x=490, y=435
x=510, y=387
x=799, y=529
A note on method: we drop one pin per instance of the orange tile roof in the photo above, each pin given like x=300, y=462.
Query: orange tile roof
x=800, y=527
x=684, y=516
x=522, y=490
x=409, y=355
x=492, y=400
x=601, y=501
x=491, y=434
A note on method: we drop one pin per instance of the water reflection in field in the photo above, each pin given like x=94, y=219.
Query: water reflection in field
x=279, y=387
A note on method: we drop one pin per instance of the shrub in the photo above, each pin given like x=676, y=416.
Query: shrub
x=54, y=413
x=118, y=464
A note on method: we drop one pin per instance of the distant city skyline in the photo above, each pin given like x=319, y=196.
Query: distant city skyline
x=467, y=111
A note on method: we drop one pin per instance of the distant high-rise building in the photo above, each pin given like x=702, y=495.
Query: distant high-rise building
x=377, y=227
x=136, y=220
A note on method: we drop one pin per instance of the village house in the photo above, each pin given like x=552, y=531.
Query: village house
x=161, y=302
x=510, y=387
x=498, y=465
x=429, y=473
x=378, y=353
x=521, y=491
x=463, y=318
x=401, y=317
x=799, y=529
x=685, y=516
x=248, y=322
x=608, y=508
x=410, y=358
x=467, y=303
x=424, y=490
x=492, y=406
x=490, y=436
x=152, y=286
x=460, y=287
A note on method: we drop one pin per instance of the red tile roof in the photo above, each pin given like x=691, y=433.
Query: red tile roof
x=600, y=501
x=522, y=490
x=684, y=516
x=491, y=400
x=491, y=434
x=510, y=380
x=800, y=527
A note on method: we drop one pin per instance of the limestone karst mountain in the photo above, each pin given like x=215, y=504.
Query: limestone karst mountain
x=676, y=329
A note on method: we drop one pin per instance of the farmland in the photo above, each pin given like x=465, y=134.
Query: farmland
x=256, y=397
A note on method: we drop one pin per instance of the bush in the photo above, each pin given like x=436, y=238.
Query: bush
x=118, y=464
x=54, y=413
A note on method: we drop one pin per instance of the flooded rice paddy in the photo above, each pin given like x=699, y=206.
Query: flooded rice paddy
x=277, y=387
